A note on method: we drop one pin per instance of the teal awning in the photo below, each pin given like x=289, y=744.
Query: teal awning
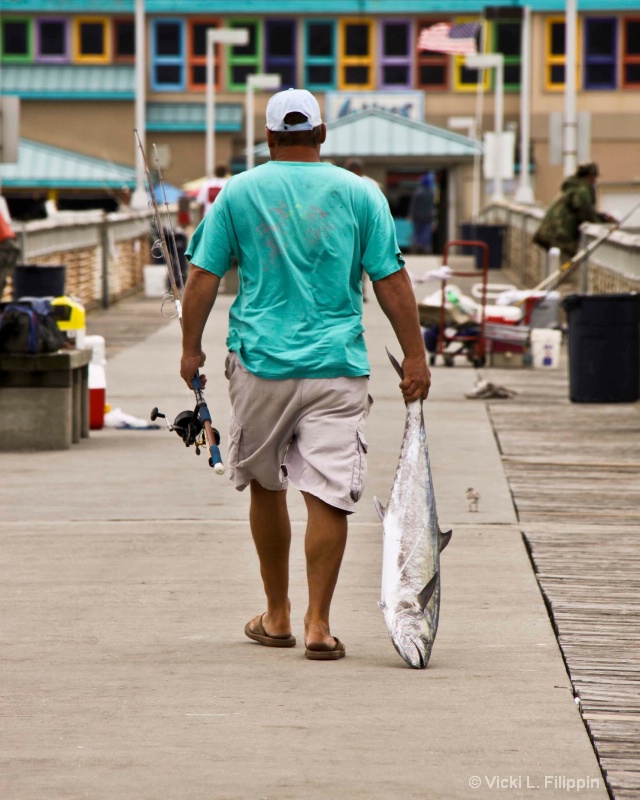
x=192, y=117
x=40, y=166
x=68, y=82
x=375, y=133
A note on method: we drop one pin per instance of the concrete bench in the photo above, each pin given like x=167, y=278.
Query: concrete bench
x=44, y=400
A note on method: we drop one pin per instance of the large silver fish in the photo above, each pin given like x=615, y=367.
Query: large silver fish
x=413, y=542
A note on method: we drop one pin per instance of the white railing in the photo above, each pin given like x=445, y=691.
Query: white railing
x=614, y=266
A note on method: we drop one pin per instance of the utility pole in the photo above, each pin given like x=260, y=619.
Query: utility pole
x=524, y=192
x=139, y=197
x=570, y=138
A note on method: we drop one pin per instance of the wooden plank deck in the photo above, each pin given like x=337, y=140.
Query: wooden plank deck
x=574, y=472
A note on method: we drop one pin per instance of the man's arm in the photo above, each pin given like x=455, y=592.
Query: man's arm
x=199, y=296
x=397, y=300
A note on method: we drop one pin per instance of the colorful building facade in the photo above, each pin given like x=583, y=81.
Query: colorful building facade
x=72, y=64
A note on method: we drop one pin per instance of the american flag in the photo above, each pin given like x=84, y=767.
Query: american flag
x=447, y=38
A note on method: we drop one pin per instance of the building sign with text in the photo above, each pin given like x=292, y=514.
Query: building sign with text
x=409, y=105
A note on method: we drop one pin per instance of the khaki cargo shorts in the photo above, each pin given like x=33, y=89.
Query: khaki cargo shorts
x=306, y=431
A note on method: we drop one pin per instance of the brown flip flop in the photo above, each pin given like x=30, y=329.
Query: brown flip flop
x=258, y=634
x=325, y=652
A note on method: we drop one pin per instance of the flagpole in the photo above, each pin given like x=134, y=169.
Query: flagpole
x=477, y=180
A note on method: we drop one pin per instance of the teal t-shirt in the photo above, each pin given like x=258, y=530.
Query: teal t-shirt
x=302, y=233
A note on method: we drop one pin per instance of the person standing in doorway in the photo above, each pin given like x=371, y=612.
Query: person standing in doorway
x=303, y=232
x=421, y=214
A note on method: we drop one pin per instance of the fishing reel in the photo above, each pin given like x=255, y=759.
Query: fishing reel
x=189, y=426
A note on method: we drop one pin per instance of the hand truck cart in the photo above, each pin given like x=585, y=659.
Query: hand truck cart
x=468, y=339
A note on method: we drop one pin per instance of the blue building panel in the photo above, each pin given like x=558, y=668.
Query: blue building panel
x=192, y=117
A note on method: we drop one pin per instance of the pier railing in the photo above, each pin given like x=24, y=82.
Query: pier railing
x=614, y=266
x=104, y=253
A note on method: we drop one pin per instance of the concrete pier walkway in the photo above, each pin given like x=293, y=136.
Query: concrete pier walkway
x=129, y=573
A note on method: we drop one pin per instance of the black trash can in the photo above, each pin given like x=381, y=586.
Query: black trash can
x=492, y=235
x=181, y=248
x=604, y=347
x=38, y=280
x=157, y=256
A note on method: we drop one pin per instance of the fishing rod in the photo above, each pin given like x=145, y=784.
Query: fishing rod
x=560, y=275
x=193, y=427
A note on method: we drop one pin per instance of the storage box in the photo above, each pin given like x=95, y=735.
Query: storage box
x=542, y=309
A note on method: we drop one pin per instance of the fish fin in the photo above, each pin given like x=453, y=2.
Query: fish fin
x=395, y=364
x=445, y=538
x=428, y=590
x=379, y=508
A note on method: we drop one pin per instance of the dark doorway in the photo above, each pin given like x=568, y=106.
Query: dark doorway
x=400, y=185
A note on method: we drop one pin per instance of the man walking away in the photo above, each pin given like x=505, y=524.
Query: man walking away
x=302, y=231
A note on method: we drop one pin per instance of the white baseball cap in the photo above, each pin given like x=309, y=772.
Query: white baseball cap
x=284, y=103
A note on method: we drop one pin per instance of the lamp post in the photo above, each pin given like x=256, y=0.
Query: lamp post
x=139, y=196
x=221, y=36
x=262, y=80
x=494, y=61
x=524, y=192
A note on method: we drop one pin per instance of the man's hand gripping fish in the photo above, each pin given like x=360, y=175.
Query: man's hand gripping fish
x=412, y=544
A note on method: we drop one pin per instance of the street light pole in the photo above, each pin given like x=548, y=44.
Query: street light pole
x=494, y=61
x=139, y=197
x=258, y=81
x=524, y=192
x=227, y=36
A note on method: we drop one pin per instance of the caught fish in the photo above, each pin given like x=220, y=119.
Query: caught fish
x=412, y=545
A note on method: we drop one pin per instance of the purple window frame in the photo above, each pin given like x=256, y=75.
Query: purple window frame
x=273, y=63
x=611, y=59
x=400, y=61
x=63, y=59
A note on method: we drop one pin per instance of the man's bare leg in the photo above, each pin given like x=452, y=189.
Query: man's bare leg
x=325, y=543
x=271, y=530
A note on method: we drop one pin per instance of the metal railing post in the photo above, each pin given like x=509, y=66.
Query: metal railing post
x=553, y=260
x=104, y=244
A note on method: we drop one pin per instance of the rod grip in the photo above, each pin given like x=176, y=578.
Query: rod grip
x=215, y=459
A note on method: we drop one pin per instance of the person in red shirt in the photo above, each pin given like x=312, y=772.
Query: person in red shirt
x=210, y=189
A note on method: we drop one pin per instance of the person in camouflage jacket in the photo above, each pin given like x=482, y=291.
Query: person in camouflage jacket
x=576, y=203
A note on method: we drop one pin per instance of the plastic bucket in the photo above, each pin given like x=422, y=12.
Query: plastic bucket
x=545, y=348
x=155, y=280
